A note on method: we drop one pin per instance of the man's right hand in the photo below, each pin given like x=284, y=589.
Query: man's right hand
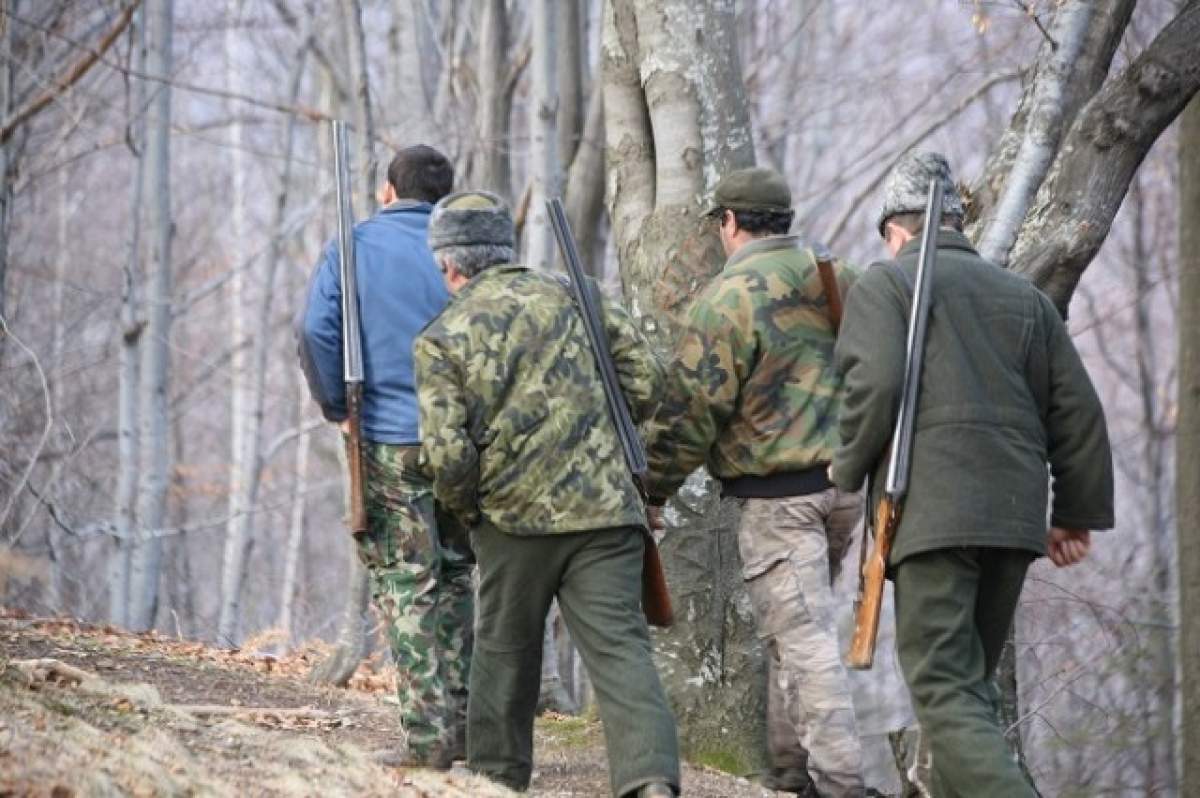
x=1068, y=546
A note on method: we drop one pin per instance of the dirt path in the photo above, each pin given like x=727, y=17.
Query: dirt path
x=149, y=715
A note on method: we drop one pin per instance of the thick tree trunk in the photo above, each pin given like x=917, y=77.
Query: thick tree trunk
x=153, y=439
x=570, y=53
x=677, y=119
x=543, y=126
x=1187, y=448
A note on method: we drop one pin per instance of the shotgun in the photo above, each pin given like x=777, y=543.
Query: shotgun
x=656, y=599
x=352, y=363
x=886, y=519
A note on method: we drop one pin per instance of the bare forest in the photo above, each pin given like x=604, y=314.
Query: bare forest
x=168, y=187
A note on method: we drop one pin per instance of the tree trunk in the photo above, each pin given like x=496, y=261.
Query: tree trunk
x=153, y=440
x=570, y=54
x=543, y=127
x=233, y=561
x=493, y=165
x=125, y=504
x=584, y=189
x=6, y=165
x=1187, y=448
x=364, y=117
x=676, y=120
x=295, y=539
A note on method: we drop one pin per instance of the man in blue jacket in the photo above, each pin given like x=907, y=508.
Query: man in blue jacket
x=418, y=558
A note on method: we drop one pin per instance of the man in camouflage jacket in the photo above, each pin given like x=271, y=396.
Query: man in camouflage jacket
x=521, y=448
x=753, y=396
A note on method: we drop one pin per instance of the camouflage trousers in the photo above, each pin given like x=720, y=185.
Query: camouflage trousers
x=421, y=570
x=791, y=551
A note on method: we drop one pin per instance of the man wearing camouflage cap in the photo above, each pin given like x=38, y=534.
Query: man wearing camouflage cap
x=753, y=396
x=1003, y=393
x=521, y=448
x=417, y=557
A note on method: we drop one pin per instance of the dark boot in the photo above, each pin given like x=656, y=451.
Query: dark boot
x=793, y=780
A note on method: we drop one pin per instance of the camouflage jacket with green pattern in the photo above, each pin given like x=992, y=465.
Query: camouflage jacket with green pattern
x=514, y=424
x=752, y=390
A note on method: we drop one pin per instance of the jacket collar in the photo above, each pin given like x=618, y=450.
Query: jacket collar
x=947, y=238
x=760, y=246
x=487, y=275
x=404, y=205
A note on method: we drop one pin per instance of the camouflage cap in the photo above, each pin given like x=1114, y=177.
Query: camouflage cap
x=468, y=218
x=906, y=189
x=753, y=189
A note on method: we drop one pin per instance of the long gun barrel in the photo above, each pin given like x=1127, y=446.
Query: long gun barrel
x=869, y=603
x=656, y=600
x=352, y=363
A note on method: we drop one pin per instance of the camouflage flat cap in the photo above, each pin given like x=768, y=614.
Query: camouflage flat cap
x=753, y=189
x=906, y=189
x=469, y=218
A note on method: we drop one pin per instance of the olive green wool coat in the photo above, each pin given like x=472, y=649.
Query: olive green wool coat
x=1003, y=393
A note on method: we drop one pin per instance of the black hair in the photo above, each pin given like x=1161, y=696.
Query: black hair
x=421, y=173
x=761, y=222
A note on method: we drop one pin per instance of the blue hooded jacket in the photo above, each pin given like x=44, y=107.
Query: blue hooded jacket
x=400, y=290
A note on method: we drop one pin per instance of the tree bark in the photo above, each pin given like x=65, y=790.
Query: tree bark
x=1074, y=209
x=233, y=561
x=6, y=160
x=131, y=324
x=677, y=119
x=1187, y=448
x=570, y=54
x=543, y=126
x=584, y=190
x=1087, y=74
x=154, y=445
x=1042, y=131
x=493, y=166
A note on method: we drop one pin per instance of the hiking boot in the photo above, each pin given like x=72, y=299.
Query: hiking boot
x=436, y=759
x=793, y=780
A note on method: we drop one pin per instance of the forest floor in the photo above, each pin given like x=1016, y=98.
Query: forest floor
x=95, y=711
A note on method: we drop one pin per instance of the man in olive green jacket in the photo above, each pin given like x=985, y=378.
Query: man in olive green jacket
x=521, y=448
x=754, y=397
x=1003, y=392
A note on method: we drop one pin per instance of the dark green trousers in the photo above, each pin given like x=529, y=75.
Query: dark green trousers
x=953, y=611
x=596, y=577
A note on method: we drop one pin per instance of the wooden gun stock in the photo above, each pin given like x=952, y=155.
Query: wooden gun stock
x=869, y=603
x=656, y=598
x=354, y=460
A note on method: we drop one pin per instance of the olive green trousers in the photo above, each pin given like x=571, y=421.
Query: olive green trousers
x=596, y=577
x=954, y=608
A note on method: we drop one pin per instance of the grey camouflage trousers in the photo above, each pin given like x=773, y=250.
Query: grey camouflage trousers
x=792, y=549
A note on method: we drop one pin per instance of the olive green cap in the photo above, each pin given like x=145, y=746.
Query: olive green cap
x=753, y=189
x=468, y=218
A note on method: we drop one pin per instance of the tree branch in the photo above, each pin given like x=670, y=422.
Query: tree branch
x=71, y=76
x=1074, y=209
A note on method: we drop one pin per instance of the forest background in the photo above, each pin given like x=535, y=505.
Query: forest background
x=168, y=187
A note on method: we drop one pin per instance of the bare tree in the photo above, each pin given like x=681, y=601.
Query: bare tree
x=1187, y=446
x=545, y=169
x=153, y=440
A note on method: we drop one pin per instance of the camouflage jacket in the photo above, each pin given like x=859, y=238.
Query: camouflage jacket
x=514, y=424
x=752, y=390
